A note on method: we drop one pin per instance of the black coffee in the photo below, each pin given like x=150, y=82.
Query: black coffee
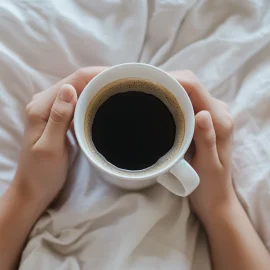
x=132, y=130
x=130, y=125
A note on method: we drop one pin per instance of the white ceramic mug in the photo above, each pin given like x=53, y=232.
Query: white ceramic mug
x=177, y=175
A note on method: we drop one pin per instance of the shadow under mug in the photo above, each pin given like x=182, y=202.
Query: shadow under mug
x=177, y=175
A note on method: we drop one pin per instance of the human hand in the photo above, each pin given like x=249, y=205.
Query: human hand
x=213, y=140
x=43, y=164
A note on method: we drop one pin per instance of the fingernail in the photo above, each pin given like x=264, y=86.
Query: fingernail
x=66, y=93
x=205, y=120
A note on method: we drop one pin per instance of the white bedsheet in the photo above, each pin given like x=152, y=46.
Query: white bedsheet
x=97, y=226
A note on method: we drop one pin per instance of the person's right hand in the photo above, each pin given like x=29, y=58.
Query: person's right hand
x=213, y=140
x=42, y=168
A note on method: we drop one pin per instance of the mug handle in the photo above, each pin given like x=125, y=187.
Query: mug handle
x=180, y=180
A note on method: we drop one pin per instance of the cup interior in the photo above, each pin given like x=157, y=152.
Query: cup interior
x=142, y=71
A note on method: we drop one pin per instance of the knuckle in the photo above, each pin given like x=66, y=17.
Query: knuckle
x=31, y=111
x=58, y=114
x=225, y=105
x=189, y=73
x=227, y=125
x=192, y=80
x=28, y=108
x=42, y=151
x=191, y=76
x=221, y=104
x=81, y=73
x=80, y=78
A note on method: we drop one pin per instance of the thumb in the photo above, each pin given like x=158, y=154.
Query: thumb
x=205, y=138
x=60, y=116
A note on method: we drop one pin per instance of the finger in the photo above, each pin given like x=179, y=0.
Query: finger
x=60, y=118
x=71, y=127
x=200, y=98
x=225, y=138
x=222, y=104
x=205, y=138
x=79, y=79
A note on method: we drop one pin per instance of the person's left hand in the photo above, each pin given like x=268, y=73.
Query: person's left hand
x=43, y=164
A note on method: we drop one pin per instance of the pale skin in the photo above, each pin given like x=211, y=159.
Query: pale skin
x=42, y=171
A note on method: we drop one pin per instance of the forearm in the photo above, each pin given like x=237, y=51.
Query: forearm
x=18, y=214
x=234, y=243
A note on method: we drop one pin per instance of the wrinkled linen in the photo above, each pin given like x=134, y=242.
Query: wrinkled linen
x=94, y=225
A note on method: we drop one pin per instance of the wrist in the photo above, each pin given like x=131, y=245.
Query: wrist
x=222, y=212
x=18, y=214
x=22, y=196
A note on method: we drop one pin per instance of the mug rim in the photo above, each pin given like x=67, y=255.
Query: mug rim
x=80, y=133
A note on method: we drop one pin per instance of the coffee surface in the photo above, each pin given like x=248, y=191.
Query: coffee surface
x=132, y=130
x=134, y=124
